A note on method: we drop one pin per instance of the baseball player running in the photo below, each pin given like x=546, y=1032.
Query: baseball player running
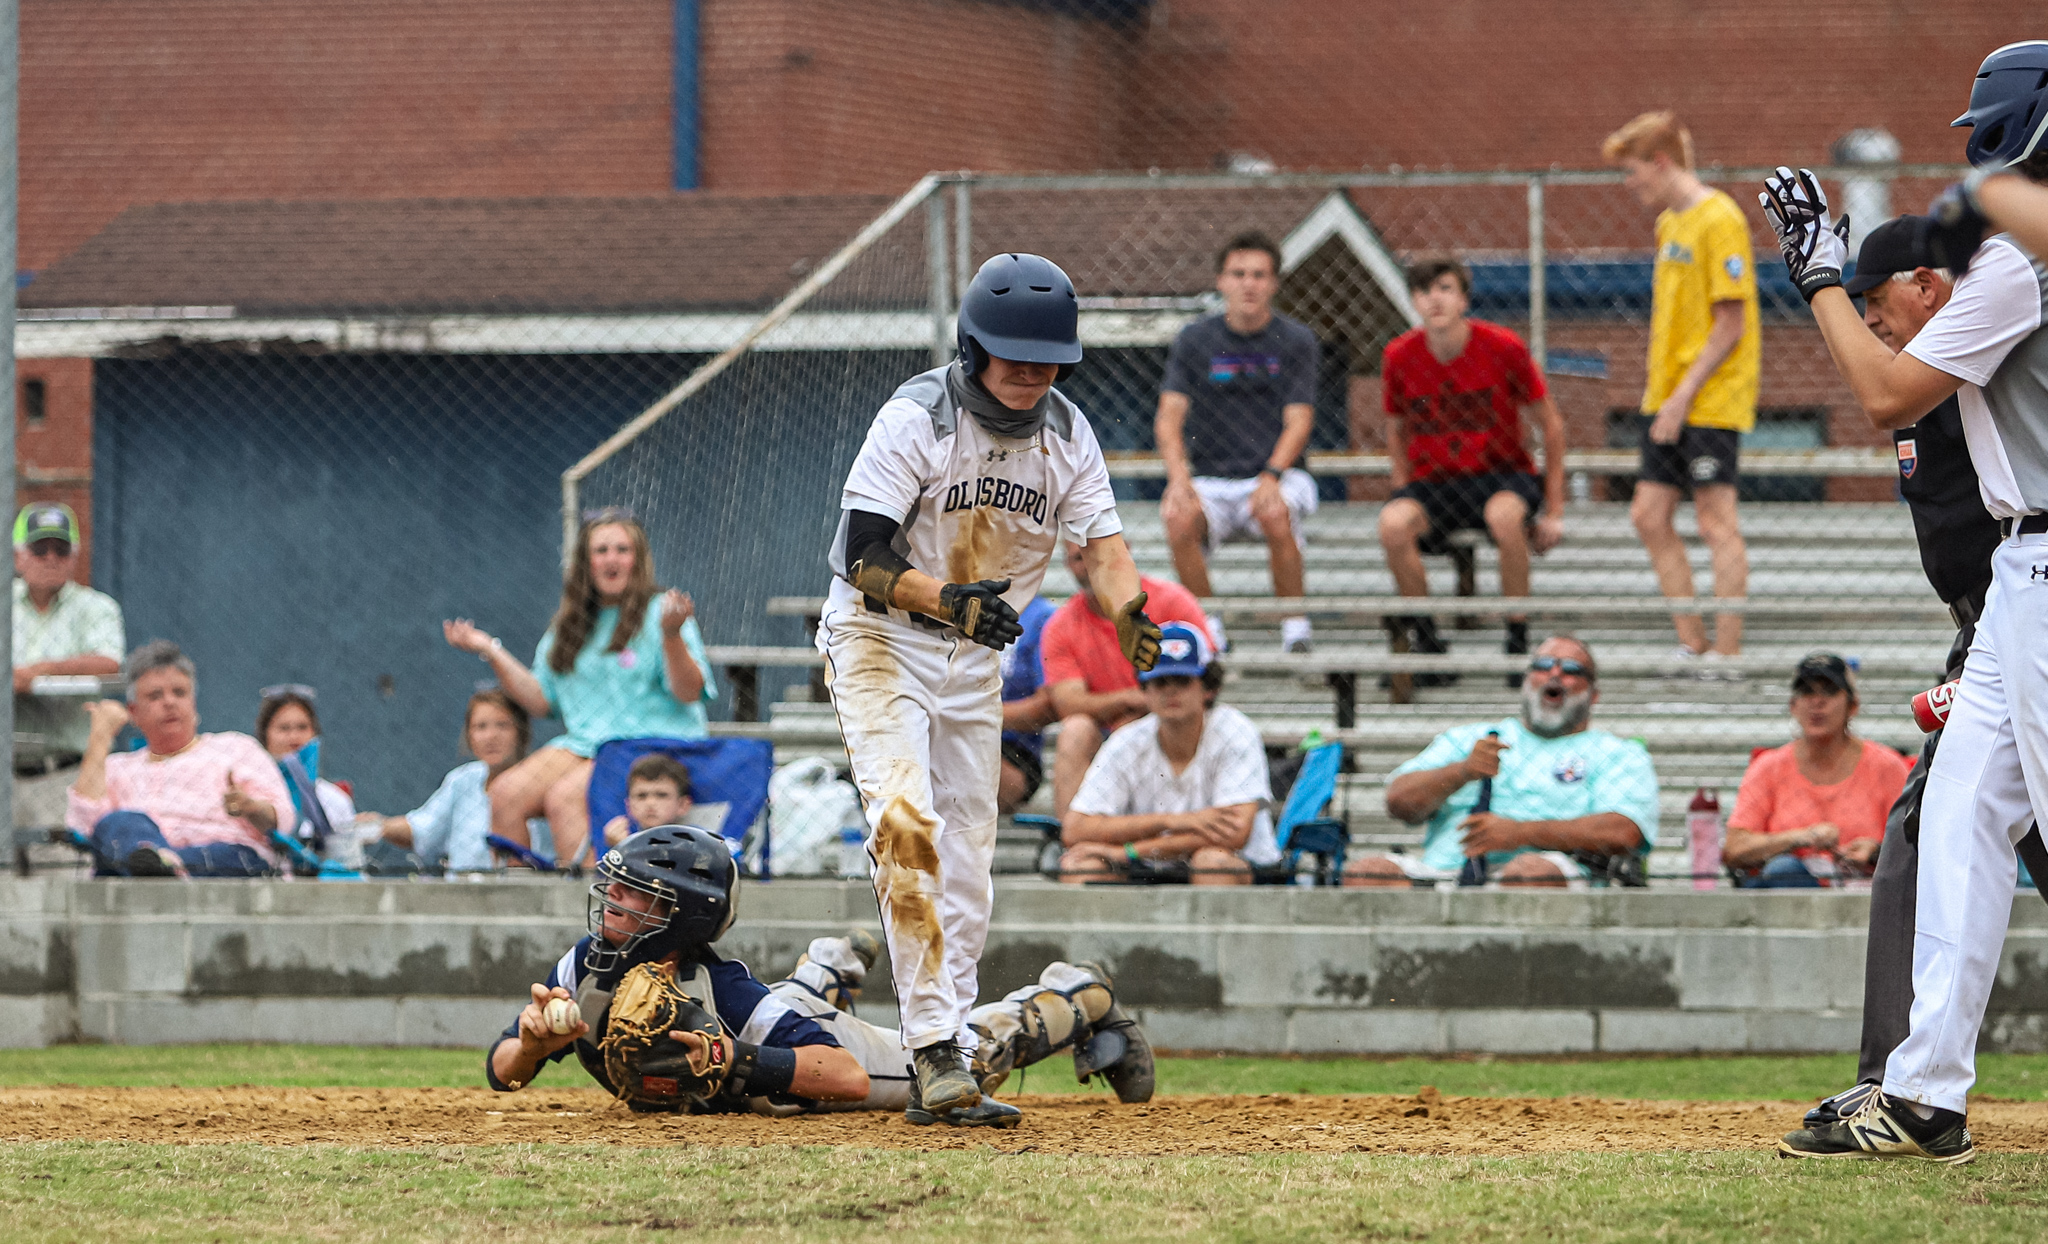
x=1988, y=346
x=662, y=896
x=971, y=475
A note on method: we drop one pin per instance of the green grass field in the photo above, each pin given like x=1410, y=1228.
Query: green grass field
x=95, y=1191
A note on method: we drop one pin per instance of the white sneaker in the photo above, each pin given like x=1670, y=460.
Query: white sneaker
x=1296, y=635
x=1719, y=667
x=1685, y=663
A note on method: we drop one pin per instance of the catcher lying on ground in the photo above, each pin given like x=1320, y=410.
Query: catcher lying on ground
x=665, y=1024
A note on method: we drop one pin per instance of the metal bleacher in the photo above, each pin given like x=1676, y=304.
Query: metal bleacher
x=1840, y=576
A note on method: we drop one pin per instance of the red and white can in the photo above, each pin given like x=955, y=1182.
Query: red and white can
x=1931, y=707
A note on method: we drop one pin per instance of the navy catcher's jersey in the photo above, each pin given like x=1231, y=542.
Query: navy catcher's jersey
x=744, y=1005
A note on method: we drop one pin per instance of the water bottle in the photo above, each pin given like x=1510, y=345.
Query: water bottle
x=1703, y=834
x=853, y=852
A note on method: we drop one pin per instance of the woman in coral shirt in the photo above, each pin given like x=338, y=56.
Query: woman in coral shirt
x=1815, y=807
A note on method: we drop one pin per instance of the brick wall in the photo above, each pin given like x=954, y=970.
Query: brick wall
x=1484, y=83
x=53, y=441
x=833, y=95
x=141, y=101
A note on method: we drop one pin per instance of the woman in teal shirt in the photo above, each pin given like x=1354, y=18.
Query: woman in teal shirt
x=604, y=671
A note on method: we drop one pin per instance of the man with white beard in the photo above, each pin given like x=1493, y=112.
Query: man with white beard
x=1568, y=802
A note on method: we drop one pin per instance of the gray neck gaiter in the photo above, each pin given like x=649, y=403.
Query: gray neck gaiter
x=994, y=417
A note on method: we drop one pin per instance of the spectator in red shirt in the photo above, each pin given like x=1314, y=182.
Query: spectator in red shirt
x=1093, y=688
x=1815, y=807
x=1455, y=393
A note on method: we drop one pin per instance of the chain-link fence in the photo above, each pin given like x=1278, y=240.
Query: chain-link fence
x=317, y=431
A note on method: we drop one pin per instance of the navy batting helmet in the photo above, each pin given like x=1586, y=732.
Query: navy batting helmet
x=688, y=885
x=1021, y=308
x=2008, y=105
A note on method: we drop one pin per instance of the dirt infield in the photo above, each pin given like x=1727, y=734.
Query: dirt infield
x=1429, y=1124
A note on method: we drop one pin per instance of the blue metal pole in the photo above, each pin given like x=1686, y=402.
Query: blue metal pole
x=688, y=115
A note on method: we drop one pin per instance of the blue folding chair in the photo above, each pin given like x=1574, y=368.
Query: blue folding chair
x=1303, y=829
x=733, y=772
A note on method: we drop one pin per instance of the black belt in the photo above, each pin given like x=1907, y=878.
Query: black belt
x=2026, y=525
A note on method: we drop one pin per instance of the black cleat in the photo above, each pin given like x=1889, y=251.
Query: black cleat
x=1841, y=1105
x=1885, y=1128
x=941, y=1079
x=987, y=1112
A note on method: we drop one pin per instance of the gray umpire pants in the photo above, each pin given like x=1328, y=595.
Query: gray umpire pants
x=1888, y=959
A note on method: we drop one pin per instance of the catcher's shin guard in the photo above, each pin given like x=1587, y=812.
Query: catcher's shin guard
x=835, y=968
x=1072, y=1007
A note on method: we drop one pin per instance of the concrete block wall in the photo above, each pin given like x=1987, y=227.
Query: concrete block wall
x=1293, y=971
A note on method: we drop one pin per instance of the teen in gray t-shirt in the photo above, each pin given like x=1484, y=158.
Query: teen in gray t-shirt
x=1235, y=412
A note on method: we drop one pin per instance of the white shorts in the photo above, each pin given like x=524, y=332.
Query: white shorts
x=1574, y=872
x=1227, y=505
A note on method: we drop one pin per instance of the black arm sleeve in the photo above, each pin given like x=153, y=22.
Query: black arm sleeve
x=760, y=1070
x=870, y=538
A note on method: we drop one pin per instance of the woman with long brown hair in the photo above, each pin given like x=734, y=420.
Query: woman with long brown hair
x=604, y=671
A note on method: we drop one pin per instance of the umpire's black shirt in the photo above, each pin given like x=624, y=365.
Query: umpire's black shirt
x=1956, y=533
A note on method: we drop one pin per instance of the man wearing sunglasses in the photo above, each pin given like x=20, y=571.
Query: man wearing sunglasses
x=1563, y=792
x=60, y=627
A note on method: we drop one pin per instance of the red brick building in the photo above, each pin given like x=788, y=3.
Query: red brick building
x=127, y=102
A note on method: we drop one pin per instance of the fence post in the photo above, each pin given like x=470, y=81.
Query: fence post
x=940, y=264
x=963, y=235
x=1539, y=296
x=10, y=77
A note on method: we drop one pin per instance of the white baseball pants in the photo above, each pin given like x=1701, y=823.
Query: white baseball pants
x=1988, y=784
x=922, y=715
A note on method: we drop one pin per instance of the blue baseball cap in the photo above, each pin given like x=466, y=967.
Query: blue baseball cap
x=1183, y=650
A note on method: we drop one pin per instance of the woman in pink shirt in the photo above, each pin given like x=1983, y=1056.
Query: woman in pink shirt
x=1817, y=805
x=186, y=805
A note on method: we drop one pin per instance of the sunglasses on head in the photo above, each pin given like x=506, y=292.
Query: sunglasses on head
x=609, y=514
x=1563, y=665
x=283, y=689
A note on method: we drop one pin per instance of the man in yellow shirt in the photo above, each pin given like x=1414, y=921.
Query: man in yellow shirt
x=1705, y=358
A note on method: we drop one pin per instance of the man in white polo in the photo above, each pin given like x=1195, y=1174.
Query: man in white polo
x=60, y=627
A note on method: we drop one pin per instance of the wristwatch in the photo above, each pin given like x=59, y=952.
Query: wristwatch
x=1273, y=471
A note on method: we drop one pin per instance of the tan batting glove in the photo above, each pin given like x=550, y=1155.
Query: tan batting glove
x=1137, y=634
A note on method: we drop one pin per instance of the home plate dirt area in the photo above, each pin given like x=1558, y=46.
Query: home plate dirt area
x=1424, y=1124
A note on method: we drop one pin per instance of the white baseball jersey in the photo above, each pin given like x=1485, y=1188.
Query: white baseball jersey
x=1990, y=336
x=1131, y=776
x=974, y=505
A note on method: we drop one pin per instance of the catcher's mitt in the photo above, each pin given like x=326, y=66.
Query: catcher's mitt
x=649, y=1069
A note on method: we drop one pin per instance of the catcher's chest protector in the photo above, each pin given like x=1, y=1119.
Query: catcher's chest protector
x=597, y=1003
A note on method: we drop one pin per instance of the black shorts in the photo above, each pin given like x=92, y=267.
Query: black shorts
x=1028, y=763
x=1701, y=456
x=1459, y=503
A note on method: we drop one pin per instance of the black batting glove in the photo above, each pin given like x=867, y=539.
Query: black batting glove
x=978, y=611
x=1955, y=225
x=1137, y=634
x=1815, y=246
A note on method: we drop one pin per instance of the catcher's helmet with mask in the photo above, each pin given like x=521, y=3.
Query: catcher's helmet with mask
x=690, y=886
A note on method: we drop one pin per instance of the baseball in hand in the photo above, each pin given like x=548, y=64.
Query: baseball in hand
x=562, y=1016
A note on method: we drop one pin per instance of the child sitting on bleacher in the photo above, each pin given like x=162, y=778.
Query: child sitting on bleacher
x=657, y=793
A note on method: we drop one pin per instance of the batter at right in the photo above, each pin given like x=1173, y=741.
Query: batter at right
x=1989, y=780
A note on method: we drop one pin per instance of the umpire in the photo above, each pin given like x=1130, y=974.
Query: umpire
x=1901, y=291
